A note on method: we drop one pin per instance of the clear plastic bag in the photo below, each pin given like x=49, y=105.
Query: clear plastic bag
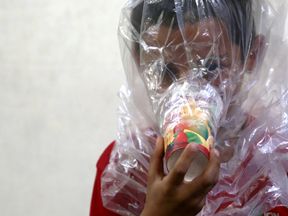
x=219, y=68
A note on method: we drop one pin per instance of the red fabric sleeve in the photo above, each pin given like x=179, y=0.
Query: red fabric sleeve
x=97, y=208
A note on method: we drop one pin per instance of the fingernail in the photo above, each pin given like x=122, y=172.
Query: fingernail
x=217, y=153
x=193, y=146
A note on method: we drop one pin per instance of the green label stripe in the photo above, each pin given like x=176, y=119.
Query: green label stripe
x=193, y=138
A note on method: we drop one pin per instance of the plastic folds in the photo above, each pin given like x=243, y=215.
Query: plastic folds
x=201, y=69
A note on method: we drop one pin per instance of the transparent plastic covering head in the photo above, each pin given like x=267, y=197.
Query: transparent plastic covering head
x=228, y=58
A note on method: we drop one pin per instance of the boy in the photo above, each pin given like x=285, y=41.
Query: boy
x=173, y=36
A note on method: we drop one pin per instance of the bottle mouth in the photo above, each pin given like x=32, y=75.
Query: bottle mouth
x=195, y=98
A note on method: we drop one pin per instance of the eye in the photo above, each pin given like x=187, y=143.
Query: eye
x=213, y=66
x=212, y=69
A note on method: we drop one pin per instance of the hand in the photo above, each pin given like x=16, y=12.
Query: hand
x=170, y=195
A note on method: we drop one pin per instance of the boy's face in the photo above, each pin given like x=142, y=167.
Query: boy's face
x=168, y=54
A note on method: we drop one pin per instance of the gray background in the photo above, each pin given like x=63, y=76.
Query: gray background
x=60, y=71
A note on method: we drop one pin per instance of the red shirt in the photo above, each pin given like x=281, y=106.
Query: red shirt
x=97, y=208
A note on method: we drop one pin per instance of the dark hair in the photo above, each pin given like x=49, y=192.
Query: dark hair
x=236, y=14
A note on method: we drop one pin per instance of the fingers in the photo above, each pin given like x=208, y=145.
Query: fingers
x=210, y=141
x=211, y=173
x=178, y=172
x=198, y=206
x=156, y=162
x=207, y=180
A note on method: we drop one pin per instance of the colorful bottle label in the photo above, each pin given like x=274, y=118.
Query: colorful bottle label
x=180, y=137
x=194, y=127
